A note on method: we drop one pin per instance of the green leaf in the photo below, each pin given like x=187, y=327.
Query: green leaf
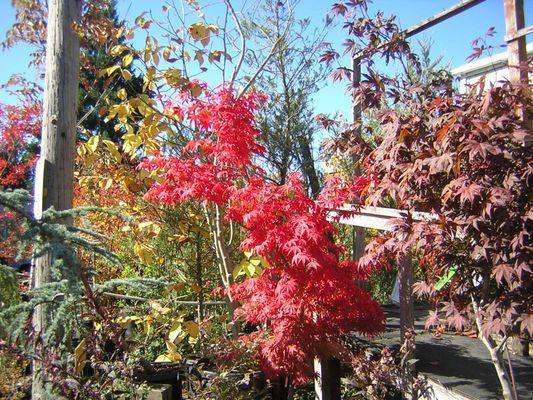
x=248, y=254
x=446, y=278
x=255, y=261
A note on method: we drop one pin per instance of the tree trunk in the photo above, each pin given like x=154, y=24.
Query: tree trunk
x=214, y=216
x=496, y=357
x=328, y=381
x=54, y=181
x=308, y=165
x=199, y=279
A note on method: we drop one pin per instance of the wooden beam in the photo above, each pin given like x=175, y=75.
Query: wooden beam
x=380, y=218
x=432, y=21
x=441, y=16
x=519, y=33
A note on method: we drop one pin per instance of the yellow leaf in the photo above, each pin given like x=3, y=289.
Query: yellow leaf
x=92, y=143
x=117, y=50
x=162, y=358
x=192, y=328
x=112, y=148
x=124, y=322
x=166, y=53
x=148, y=325
x=206, y=38
x=129, y=128
x=119, y=32
x=176, y=333
x=159, y=309
x=112, y=69
x=122, y=111
x=173, y=354
x=171, y=347
x=108, y=183
x=199, y=56
x=127, y=59
x=131, y=185
x=198, y=31
x=213, y=28
x=147, y=55
x=144, y=225
x=144, y=254
x=174, y=357
x=80, y=356
x=126, y=74
x=122, y=94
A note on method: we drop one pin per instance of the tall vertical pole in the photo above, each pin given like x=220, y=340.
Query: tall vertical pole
x=358, y=233
x=405, y=278
x=54, y=184
x=516, y=41
x=327, y=383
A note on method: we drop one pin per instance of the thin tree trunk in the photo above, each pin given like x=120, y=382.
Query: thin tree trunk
x=214, y=218
x=308, y=165
x=496, y=356
x=199, y=279
x=55, y=172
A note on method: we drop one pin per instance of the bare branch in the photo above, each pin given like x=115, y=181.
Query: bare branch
x=243, y=41
x=268, y=57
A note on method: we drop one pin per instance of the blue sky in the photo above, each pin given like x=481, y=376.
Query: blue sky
x=451, y=38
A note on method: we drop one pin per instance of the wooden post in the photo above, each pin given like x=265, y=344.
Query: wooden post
x=54, y=184
x=405, y=275
x=328, y=381
x=358, y=239
x=516, y=41
x=515, y=36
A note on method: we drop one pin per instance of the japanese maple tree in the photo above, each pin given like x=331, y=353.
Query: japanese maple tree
x=465, y=158
x=306, y=297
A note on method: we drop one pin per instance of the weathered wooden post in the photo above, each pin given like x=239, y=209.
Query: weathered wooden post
x=405, y=278
x=515, y=37
x=54, y=183
x=358, y=233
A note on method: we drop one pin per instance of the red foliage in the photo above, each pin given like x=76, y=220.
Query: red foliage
x=19, y=127
x=212, y=164
x=465, y=158
x=306, y=298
